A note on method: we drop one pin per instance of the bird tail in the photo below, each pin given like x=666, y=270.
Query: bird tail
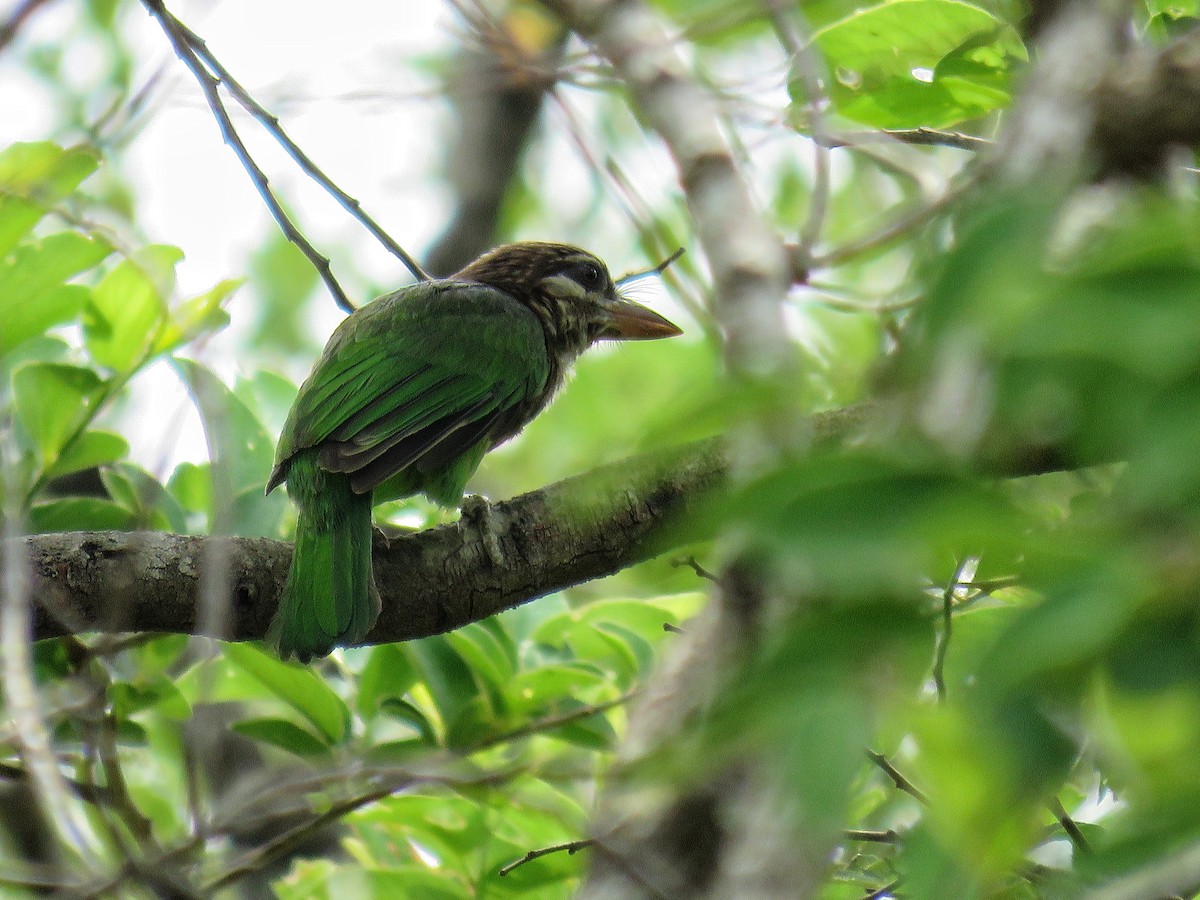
x=330, y=597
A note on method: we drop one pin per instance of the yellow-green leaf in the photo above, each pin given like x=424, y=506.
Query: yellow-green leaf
x=129, y=306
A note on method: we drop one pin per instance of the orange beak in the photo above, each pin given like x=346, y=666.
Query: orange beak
x=629, y=321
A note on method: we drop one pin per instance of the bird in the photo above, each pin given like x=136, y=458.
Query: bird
x=409, y=394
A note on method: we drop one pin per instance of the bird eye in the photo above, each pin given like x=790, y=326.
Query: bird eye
x=589, y=276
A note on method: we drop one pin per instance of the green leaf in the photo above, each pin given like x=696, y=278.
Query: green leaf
x=191, y=486
x=414, y=718
x=197, y=316
x=483, y=651
x=536, y=690
x=885, y=62
x=79, y=514
x=33, y=296
x=240, y=443
x=378, y=884
x=448, y=678
x=158, y=694
x=142, y=494
x=299, y=687
x=34, y=177
x=51, y=401
x=129, y=306
x=388, y=674
x=92, y=448
x=595, y=733
x=283, y=734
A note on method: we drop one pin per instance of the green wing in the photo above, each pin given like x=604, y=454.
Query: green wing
x=416, y=378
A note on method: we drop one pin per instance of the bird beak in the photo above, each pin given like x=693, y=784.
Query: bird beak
x=625, y=320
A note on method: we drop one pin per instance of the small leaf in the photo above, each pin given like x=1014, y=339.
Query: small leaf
x=197, y=316
x=885, y=61
x=159, y=694
x=300, y=688
x=51, y=400
x=34, y=177
x=33, y=296
x=240, y=442
x=448, y=678
x=538, y=689
x=128, y=308
x=387, y=675
x=483, y=652
x=142, y=494
x=283, y=734
x=92, y=448
x=79, y=514
x=191, y=486
x=412, y=717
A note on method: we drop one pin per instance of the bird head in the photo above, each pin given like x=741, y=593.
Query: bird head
x=571, y=293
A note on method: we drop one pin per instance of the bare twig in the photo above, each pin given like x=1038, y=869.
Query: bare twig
x=963, y=573
x=899, y=227
x=790, y=26
x=13, y=24
x=872, y=837
x=547, y=723
x=884, y=891
x=284, y=842
x=270, y=122
x=1069, y=826
x=571, y=848
x=924, y=137
x=210, y=83
x=692, y=563
x=897, y=777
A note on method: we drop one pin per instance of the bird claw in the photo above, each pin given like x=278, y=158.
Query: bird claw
x=478, y=511
x=379, y=537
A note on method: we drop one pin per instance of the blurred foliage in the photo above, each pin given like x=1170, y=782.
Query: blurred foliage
x=1017, y=648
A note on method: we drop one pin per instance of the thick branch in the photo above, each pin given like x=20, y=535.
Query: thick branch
x=431, y=581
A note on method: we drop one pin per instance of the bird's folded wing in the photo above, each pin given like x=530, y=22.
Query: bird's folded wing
x=421, y=378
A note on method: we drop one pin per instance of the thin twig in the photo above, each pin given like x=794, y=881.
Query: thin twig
x=9, y=29
x=694, y=565
x=790, y=26
x=209, y=83
x=883, y=891
x=964, y=570
x=872, y=837
x=924, y=137
x=897, y=778
x=897, y=228
x=549, y=722
x=571, y=848
x=1069, y=826
x=270, y=122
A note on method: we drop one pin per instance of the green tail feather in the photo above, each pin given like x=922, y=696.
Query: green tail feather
x=330, y=598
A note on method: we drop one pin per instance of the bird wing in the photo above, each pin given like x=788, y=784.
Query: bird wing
x=426, y=371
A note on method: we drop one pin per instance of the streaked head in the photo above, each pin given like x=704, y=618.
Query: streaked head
x=571, y=293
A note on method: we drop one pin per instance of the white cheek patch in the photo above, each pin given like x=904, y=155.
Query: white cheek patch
x=564, y=287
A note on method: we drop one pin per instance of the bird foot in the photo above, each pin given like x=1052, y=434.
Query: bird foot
x=379, y=537
x=478, y=511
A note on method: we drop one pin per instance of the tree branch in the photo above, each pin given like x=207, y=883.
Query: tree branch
x=431, y=581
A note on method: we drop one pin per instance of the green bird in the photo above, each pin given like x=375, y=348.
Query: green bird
x=410, y=393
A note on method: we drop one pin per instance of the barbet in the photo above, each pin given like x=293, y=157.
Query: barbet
x=410, y=393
